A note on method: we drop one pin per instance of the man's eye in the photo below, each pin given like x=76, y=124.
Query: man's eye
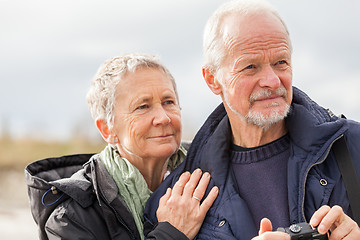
x=168, y=102
x=250, y=66
x=281, y=62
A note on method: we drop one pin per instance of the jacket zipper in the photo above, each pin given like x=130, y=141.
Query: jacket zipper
x=307, y=173
x=116, y=214
x=98, y=191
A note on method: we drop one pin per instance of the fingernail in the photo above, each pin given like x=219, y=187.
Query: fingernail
x=321, y=229
x=184, y=174
x=206, y=174
x=197, y=171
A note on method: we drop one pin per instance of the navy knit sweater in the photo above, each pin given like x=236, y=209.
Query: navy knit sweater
x=260, y=172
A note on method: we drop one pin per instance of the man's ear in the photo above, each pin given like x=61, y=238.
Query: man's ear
x=211, y=81
x=104, y=130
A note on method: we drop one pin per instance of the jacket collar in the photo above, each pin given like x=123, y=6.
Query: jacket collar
x=311, y=127
x=107, y=193
x=214, y=156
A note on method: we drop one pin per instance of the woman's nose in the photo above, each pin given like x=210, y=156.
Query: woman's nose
x=161, y=116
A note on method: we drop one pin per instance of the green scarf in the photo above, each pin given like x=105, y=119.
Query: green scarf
x=130, y=182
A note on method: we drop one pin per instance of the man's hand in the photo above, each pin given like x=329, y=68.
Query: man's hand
x=181, y=206
x=337, y=222
x=266, y=233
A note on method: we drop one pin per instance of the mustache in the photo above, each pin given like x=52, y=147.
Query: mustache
x=267, y=93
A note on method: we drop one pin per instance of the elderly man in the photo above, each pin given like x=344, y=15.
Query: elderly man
x=268, y=147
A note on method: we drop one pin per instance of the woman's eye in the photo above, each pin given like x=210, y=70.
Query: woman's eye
x=144, y=106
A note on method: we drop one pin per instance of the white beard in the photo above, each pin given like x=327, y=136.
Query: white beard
x=258, y=118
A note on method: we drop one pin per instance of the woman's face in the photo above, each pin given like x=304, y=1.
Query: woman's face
x=147, y=115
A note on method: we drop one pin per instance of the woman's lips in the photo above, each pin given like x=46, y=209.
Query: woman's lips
x=162, y=136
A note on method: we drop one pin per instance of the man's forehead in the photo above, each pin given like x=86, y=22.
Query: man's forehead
x=254, y=32
x=237, y=24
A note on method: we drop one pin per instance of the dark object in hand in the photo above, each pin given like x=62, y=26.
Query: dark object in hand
x=303, y=231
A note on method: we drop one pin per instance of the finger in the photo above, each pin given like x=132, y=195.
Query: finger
x=192, y=183
x=180, y=184
x=273, y=235
x=199, y=191
x=208, y=201
x=353, y=234
x=332, y=219
x=319, y=215
x=165, y=197
x=161, y=212
x=344, y=230
x=265, y=226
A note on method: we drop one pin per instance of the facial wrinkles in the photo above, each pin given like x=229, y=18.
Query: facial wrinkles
x=255, y=42
x=258, y=118
x=130, y=140
x=263, y=42
x=128, y=105
x=127, y=122
x=262, y=46
x=129, y=130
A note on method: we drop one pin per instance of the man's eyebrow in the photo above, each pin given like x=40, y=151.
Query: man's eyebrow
x=168, y=96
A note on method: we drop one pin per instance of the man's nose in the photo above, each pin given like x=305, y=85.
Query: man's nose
x=269, y=78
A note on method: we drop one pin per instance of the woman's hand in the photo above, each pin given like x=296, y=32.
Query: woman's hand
x=181, y=206
x=340, y=225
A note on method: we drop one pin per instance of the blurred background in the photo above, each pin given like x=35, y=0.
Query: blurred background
x=50, y=50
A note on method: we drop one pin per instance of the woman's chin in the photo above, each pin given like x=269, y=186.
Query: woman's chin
x=165, y=150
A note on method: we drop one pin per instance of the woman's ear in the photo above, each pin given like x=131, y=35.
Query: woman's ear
x=104, y=130
x=211, y=81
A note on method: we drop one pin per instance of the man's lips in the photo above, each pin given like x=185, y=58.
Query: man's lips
x=267, y=95
x=269, y=98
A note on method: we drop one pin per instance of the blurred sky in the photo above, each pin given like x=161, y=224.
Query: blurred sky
x=50, y=50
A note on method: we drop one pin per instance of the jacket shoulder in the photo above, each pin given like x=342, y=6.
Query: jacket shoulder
x=70, y=219
x=46, y=184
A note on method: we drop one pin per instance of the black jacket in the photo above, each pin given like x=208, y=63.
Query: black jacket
x=73, y=197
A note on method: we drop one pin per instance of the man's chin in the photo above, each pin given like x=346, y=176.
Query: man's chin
x=266, y=119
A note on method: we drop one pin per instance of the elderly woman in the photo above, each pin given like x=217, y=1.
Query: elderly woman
x=134, y=103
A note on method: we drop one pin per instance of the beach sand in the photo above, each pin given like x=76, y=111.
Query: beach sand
x=16, y=221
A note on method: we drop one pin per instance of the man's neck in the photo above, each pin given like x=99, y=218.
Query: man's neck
x=248, y=135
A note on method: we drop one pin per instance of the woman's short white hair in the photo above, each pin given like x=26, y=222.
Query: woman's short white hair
x=101, y=95
x=213, y=46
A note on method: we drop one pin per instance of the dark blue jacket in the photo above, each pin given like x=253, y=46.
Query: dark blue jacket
x=312, y=130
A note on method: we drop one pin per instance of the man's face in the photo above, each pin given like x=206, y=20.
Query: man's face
x=256, y=73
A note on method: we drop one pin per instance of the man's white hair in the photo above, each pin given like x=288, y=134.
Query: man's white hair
x=213, y=45
x=101, y=95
